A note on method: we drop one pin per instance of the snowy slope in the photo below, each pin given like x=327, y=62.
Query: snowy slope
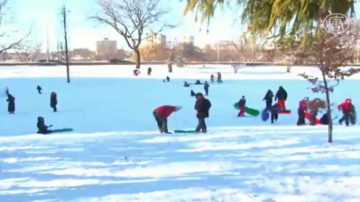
x=116, y=153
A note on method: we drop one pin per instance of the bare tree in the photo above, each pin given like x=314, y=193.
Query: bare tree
x=5, y=34
x=332, y=52
x=130, y=18
x=64, y=24
x=27, y=52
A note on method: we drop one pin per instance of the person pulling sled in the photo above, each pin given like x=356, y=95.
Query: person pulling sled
x=161, y=114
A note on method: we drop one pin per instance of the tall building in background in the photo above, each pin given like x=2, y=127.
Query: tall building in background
x=106, y=49
x=151, y=39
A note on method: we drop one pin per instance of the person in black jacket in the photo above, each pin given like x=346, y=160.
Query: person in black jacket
x=324, y=119
x=219, y=78
x=206, y=88
x=268, y=99
x=42, y=128
x=53, y=101
x=11, y=100
x=274, y=112
x=149, y=71
x=202, y=106
x=281, y=96
x=38, y=88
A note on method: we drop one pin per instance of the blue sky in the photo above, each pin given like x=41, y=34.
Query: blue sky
x=43, y=17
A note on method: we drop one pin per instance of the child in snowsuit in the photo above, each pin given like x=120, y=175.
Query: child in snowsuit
x=11, y=102
x=242, y=103
x=161, y=114
x=268, y=99
x=301, y=111
x=281, y=96
x=347, y=108
x=53, y=101
x=206, y=88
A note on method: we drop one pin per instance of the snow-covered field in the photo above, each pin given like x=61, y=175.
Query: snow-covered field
x=116, y=154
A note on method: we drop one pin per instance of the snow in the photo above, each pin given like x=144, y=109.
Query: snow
x=116, y=154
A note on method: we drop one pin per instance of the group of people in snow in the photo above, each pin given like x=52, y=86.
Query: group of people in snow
x=202, y=107
x=42, y=128
x=306, y=106
x=307, y=109
x=11, y=100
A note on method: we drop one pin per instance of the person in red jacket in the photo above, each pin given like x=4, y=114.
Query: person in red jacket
x=346, y=108
x=161, y=113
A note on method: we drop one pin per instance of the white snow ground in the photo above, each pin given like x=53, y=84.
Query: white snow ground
x=116, y=154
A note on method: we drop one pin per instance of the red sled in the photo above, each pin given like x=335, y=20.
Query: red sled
x=308, y=117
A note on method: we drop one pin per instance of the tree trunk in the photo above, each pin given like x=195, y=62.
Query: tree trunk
x=66, y=45
x=137, y=58
x=330, y=126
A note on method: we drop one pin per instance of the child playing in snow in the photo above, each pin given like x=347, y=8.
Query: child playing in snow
x=242, y=103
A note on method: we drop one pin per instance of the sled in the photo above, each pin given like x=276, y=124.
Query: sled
x=308, y=117
x=185, y=131
x=62, y=130
x=265, y=115
x=248, y=110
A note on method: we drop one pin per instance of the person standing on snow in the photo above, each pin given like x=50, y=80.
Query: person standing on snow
x=212, y=78
x=347, y=108
x=170, y=69
x=206, y=88
x=38, y=88
x=149, y=70
x=242, y=103
x=11, y=102
x=301, y=111
x=161, y=114
x=274, y=111
x=268, y=99
x=53, y=101
x=202, y=106
x=219, y=80
x=281, y=96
